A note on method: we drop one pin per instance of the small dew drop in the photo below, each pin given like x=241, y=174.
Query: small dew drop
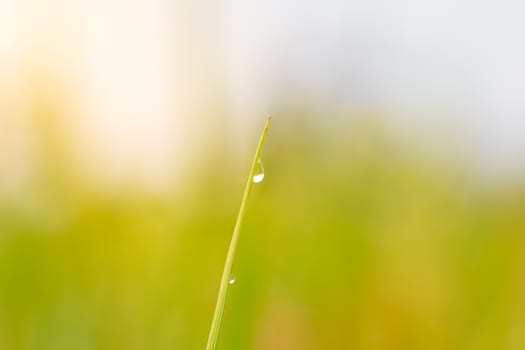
x=259, y=173
x=232, y=279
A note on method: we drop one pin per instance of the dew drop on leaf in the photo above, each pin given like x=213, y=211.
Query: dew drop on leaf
x=259, y=172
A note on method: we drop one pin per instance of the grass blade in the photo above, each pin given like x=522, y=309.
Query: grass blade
x=216, y=323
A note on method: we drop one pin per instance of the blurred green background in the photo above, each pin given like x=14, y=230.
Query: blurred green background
x=352, y=241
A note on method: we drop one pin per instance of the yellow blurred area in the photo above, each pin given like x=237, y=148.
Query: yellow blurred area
x=122, y=161
x=349, y=243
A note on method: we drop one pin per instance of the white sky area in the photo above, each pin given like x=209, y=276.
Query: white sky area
x=139, y=75
x=464, y=59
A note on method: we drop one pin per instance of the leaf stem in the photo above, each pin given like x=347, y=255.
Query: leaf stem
x=216, y=323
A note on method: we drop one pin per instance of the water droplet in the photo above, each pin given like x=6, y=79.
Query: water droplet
x=232, y=279
x=259, y=172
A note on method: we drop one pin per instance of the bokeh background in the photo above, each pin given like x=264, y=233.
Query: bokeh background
x=392, y=214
